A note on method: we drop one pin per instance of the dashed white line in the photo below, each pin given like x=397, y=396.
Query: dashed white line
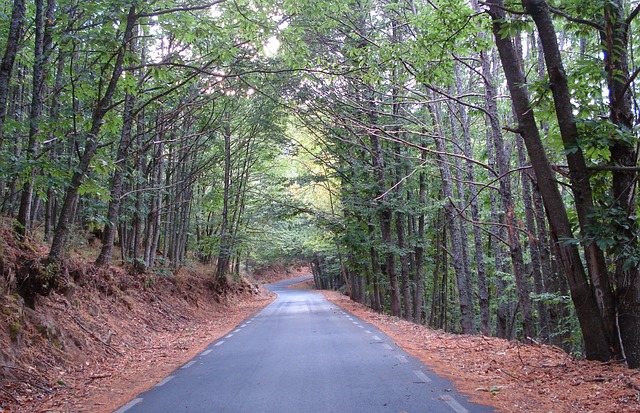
x=244, y=325
x=387, y=346
x=402, y=359
x=355, y=322
x=423, y=377
x=237, y=330
x=128, y=405
x=165, y=381
x=249, y=322
x=189, y=364
x=453, y=403
x=204, y=353
x=376, y=338
x=219, y=343
x=359, y=326
x=228, y=336
x=367, y=331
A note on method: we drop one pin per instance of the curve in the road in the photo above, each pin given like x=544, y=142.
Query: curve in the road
x=303, y=354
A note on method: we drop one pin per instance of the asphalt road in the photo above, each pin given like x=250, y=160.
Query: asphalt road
x=302, y=354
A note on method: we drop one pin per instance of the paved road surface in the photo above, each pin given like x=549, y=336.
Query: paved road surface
x=302, y=354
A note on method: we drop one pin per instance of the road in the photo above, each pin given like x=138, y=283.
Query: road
x=302, y=354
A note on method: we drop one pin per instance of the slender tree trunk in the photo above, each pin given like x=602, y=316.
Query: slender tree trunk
x=101, y=109
x=458, y=263
x=376, y=302
x=42, y=52
x=418, y=300
x=225, y=238
x=117, y=182
x=16, y=26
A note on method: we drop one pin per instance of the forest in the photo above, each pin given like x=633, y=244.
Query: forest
x=467, y=165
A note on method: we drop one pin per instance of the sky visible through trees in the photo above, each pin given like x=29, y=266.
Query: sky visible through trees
x=462, y=164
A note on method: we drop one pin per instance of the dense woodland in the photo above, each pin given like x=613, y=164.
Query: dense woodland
x=467, y=165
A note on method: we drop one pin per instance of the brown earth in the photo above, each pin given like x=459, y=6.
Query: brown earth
x=113, y=333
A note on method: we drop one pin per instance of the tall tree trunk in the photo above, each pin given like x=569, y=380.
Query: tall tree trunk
x=117, y=182
x=42, y=53
x=16, y=26
x=579, y=173
x=376, y=302
x=99, y=112
x=461, y=270
x=418, y=300
x=615, y=38
x=224, y=253
x=597, y=342
x=401, y=238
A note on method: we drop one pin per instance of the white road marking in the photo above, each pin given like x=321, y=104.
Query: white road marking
x=128, y=405
x=237, y=330
x=189, y=364
x=367, y=331
x=376, y=338
x=422, y=376
x=228, y=336
x=204, y=353
x=219, y=343
x=165, y=381
x=244, y=325
x=453, y=403
x=355, y=322
x=387, y=346
x=402, y=359
x=359, y=326
x=249, y=322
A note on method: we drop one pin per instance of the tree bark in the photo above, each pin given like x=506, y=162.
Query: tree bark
x=16, y=26
x=461, y=271
x=117, y=182
x=597, y=342
x=42, y=52
x=92, y=143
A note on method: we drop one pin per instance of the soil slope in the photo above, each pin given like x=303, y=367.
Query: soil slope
x=111, y=334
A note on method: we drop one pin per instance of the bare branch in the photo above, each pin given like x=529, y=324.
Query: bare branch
x=575, y=19
x=180, y=9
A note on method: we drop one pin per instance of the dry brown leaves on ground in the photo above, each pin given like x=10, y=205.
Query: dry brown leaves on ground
x=511, y=376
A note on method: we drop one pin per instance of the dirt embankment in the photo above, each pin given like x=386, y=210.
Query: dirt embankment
x=110, y=335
